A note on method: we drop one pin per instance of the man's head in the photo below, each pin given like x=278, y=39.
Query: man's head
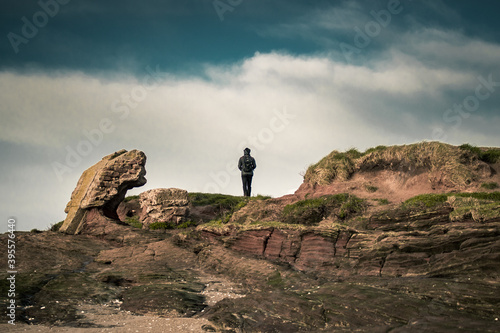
x=247, y=151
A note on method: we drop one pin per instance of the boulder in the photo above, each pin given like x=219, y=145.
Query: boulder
x=102, y=187
x=167, y=205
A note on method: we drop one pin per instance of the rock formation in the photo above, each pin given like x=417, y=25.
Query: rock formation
x=164, y=205
x=396, y=255
x=102, y=187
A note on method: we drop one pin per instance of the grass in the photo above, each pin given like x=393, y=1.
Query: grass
x=371, y=188
x=226, y=204
x=130, y=198
x=134, y=222
x=478, y=206
x=171, y=225
x=425, y=201
x=453, y=161
x=224, y=201
x=489, y=186
x=382, y=201
x=275, y=280
x=433, y=200
x=312, y=211
x=491, y=155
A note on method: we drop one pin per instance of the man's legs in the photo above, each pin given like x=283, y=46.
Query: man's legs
x=247, y=184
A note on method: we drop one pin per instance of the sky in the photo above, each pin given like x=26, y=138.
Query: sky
x=192, y=83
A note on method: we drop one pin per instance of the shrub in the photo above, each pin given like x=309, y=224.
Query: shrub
x=134, y=222
x=308, y=211
x=56, y=226
x=473, y=149
x=489, y=156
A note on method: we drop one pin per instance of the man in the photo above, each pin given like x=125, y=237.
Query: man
x=246, y=164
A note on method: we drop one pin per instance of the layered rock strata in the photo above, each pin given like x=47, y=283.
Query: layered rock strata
x=426, y=245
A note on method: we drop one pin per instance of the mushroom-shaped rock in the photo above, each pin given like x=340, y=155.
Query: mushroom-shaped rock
x=102, y=187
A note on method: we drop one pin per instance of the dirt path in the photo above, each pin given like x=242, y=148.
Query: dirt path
x=111, y=319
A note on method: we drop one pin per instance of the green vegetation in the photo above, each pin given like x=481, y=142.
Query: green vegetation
x=56, y=226
x=376, y=149
x=433, y=200
x=477, y=206
x=131, y=197
x=275, y=280
x=312, y=211
x=171, y=225
x=425, y=201
x=491, y=155
x=489, y=186
x=225, y=204
x=382, y=201
x=134, y=222
x=492, y=196
x=424, y=156
x=224, y=201
x=371, y=188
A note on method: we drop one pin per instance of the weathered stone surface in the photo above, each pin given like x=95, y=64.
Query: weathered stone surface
x=253, y=242
x=164, y=205
x=453, y=248
x=128, y=209
x=103, y=186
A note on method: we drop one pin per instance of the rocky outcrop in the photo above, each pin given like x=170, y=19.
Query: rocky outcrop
x=102, y=187
x=429, y=244
x=164, y=206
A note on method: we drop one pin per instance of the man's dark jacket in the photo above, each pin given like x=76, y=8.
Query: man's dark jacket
x=241, y=165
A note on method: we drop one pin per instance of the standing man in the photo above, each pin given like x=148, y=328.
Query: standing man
x=246, y=164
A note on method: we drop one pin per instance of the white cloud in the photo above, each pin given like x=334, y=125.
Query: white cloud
x=193, y=129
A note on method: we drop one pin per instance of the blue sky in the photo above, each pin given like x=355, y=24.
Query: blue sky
x=191, y=83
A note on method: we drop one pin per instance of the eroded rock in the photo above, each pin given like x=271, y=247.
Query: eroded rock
x=102, y=187
x=164, y=205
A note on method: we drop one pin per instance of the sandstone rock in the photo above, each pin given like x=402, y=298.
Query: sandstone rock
x=103, y=186
x=128, y=208
x=164, y=205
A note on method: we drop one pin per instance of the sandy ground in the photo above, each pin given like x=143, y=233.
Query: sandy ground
x=110, y=318
x=120, y=322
